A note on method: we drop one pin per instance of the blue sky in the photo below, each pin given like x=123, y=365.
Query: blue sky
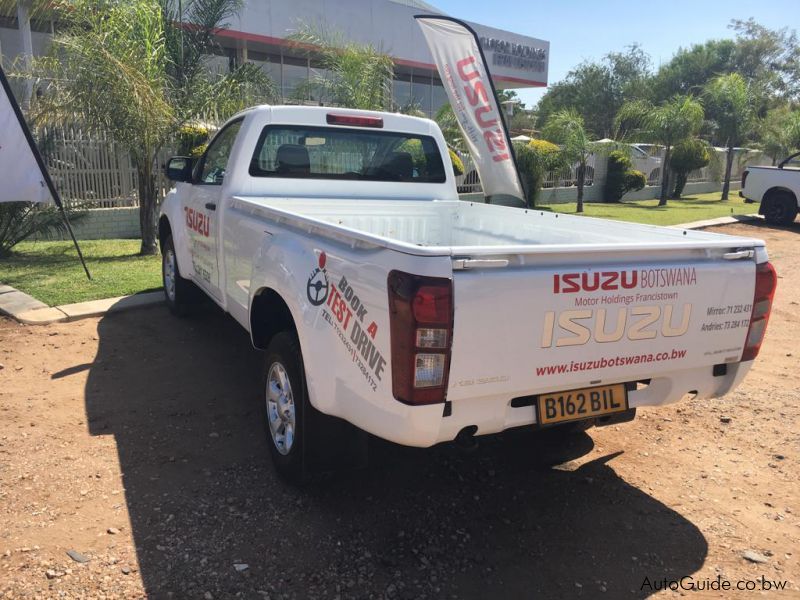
x=580, y=29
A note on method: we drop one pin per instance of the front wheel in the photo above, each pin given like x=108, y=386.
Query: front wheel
x=179, y=293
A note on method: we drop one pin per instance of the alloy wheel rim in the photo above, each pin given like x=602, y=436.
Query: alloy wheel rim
x=280, y=408
x=169, y=274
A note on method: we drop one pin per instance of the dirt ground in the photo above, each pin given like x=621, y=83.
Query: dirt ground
x=136, y=441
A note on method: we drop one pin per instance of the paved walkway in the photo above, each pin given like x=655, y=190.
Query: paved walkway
x=29, y=310
x=718, y=221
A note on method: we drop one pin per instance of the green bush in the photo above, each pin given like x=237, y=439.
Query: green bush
x=634, y=180
x=190, y=137
x=688, y=156
x=22, y=220
x=534, y=159
x=621, y=177
x=458, y=166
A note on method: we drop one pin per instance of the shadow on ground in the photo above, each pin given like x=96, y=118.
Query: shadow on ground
x=761, y=224
x=181, y=399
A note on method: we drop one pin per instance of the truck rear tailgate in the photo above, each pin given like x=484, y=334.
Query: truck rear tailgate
x=524, y=330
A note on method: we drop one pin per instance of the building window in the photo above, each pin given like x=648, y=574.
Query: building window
x=295, y=78
x=318, y=72
x=421, y=93
x=438, y=97
x=401, y=90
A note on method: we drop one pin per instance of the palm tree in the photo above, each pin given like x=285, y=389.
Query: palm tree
x=780, y=133
x=136, y=70
x=566, y=129
x=732, y=102
x=667, y=124
x=353, y=75
x=448, y=123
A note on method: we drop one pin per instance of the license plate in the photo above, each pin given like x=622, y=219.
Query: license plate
x=585, y=403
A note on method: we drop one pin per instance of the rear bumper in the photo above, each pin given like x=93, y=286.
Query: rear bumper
x=425, y=426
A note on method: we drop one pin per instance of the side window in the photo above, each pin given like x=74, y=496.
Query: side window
x=215, y=159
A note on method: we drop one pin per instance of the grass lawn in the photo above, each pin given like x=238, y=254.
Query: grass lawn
x=691, y=208
x=52, y=273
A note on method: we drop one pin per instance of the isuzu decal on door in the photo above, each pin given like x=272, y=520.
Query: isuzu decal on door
x=198, y=221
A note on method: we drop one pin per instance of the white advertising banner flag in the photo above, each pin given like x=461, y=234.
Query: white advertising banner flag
x=465, y=77
x=20, y=173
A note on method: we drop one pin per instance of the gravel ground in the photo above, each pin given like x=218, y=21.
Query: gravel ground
x=134, y=443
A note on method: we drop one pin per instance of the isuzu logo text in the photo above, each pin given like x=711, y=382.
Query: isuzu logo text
x=197, y=221
x=568, y=283
x=478, y=98
x=578, y=327
x=608, y=281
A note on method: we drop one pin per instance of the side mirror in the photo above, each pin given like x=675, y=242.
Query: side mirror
x=179, y=168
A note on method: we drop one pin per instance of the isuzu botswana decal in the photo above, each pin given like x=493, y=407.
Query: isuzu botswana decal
x=346, y=313
x=607, y=306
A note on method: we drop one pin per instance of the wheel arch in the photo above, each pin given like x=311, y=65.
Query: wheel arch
x=269, y=314
x=164, y=230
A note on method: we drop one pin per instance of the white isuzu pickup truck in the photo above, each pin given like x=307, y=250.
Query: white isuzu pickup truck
x=776, y=188
x=386, y=305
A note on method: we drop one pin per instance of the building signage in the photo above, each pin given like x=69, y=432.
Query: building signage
x=515, y=56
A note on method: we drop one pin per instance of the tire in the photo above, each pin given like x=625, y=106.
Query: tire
x=320, y=444
x=180, y=294
x=780, y=209
x=285, y=404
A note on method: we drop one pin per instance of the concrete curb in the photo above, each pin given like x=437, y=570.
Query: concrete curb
x=718, y=221
x=28, y=310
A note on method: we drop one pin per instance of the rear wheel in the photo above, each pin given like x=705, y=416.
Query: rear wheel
x=303, y=442
x=780, y=208
x=179, y=293
x=286, y=402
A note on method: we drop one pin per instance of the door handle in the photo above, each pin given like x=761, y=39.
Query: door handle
x=737, y=254
x=211, y=206
x=461, y=264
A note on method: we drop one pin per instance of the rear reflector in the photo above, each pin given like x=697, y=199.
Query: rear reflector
x=334, y=119
x=766, y=280
x=421, y=325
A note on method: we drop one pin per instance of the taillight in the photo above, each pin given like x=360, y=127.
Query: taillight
x=766, y=280
x=421, y=326
x=744, y=177
x=358, y=121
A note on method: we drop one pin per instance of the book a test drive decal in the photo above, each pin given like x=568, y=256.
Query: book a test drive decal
x=343, y=310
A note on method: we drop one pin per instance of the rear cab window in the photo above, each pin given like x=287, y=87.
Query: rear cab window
x=348, y=154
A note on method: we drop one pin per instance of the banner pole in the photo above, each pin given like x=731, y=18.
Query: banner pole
x=74, y=241
x=42, y=167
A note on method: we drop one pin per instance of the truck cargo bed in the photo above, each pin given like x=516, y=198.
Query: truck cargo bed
x=466, y=228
